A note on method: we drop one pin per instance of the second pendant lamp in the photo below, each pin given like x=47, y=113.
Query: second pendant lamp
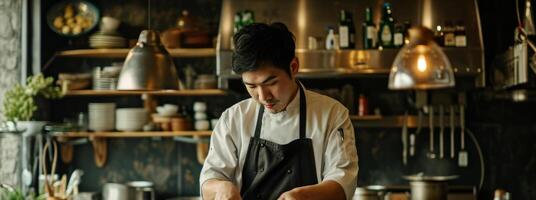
x=148, y=65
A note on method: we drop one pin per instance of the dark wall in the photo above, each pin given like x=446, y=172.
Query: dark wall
x=505, y=129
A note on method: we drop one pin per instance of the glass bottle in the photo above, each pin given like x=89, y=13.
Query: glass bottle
x=248, y=17
x=439, y=36
x=460, y=36
x=369, y=31
x=449, y=35
x=237, y=22
x=528, y=22
x=398, y=37
x=362, y=110
x=407, y=26
x=386, y=31
x=330, y=39
x=344, y=31
x=351, y=27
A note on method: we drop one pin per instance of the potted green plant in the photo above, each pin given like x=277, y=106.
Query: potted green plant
x=9, y=193
x=20, y=102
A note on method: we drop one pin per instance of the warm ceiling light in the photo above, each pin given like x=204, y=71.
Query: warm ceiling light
x=421, y=64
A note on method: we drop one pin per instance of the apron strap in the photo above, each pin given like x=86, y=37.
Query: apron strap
x=303, y=115
x=303, y=112
x=259, y=122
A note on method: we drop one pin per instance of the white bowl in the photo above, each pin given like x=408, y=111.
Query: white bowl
x=171, y=107
x=202, y=125
x=200, y=106
x=109, y=24
x=162, y=111
x=213, y=122
x=200, y=116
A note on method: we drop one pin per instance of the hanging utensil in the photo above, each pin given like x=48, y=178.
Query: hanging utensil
x=452, y=129
x=441, y=133
x=413, y=135
x=74, y=181
x=462, y=155
x=405, y=139
x=48, y=183
x=431, y=154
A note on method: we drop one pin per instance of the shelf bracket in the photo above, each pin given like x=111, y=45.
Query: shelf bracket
x=67, y=148
x=202, y=145
x=202, y=150
x=67, y=153
x=100, y=149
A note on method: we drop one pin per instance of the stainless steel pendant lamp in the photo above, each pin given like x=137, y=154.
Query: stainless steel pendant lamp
x=148, y=66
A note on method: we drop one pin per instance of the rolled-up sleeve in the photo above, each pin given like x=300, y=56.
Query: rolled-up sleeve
x=341, y=162
x=222, y=158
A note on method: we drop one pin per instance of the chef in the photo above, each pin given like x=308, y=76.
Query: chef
x=285, y=142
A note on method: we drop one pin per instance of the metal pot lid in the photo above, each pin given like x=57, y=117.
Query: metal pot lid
x=376, y=187
x=422, y=177
x=365, y=192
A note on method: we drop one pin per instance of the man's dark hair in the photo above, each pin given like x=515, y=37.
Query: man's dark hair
x=262, y=44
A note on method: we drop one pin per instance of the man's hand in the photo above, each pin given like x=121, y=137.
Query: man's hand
x=325, y=190
x=220, y=190
x=294, y=194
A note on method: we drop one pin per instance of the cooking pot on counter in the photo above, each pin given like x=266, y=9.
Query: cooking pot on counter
x=429, y=187
x=140, y=190
x=366, y=194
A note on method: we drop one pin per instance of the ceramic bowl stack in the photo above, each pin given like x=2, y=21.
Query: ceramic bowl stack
x=107, y=36
x=200, y=116
x=101, y=116
x=130, y=119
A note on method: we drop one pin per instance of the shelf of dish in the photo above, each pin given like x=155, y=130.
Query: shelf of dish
x=134, y=134
x=197, y=92
x=122, y=53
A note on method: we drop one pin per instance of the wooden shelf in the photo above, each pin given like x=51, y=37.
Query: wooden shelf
x=397, y=121
x=100, y=144
x=122, y=53
x=366, y=117
x=204, y=92
x=134, y=134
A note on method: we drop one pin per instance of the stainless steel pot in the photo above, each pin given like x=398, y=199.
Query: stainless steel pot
x=365, y=194
x=114, y=191
x=140, y=190
x=429, y=190
x=429, y=187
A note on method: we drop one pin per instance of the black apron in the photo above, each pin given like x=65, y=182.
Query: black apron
x=271, y=169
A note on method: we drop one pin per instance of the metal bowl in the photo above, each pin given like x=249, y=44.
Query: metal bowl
x=73, y=18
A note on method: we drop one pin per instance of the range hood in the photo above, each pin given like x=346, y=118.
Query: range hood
x=310, y=18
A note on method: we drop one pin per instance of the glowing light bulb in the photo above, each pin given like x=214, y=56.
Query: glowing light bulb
x=421, y=63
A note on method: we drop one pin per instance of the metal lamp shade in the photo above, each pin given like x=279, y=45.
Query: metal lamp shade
x=148, y=66
x=421, y=64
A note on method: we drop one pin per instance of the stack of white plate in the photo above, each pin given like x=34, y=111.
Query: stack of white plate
x=105, y=78
x=101, y=116
x=106, y=40
x=130, y=119
x=104, y=83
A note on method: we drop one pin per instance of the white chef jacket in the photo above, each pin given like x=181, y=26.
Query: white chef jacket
x=328, y=125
